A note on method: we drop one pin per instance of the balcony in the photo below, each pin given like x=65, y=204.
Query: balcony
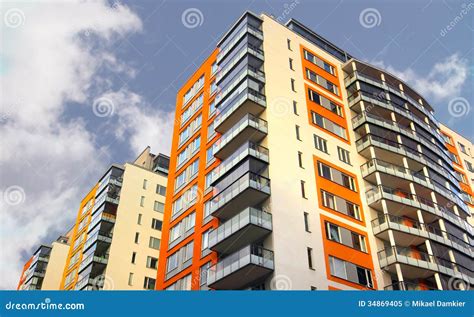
x=258, y=153
x=248, y=29
x=407, y=286
x=373, y=99
x=407, y=204
x=99, y=217
x=385, y=148
x=416, y=264
x=249, y=226
x=408, y=232
x=243, y=268
x=102, y=236
x=365, y=117
x=102, y=260
x=249, y=128
x=395, y=173
x=249, y=190
x=233, y=109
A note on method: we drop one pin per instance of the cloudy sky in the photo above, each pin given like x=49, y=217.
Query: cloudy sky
x=88, y=83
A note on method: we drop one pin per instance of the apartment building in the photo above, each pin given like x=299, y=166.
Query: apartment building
x=44, y=270
x=296, y=166
x=116, y=237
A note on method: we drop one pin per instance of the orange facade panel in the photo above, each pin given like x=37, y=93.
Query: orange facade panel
x=198, y=206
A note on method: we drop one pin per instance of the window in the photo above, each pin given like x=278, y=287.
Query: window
x=172, y=262
x=203, y=273
x=130, y=279
x=156, y=224
x=469, y=166
x=154, y=243
x=160, y=207
x=213, y=87
x=210, y=155
x=324, y=102
x=300, y=159
x=340, y=205
x=313, y=288
x=321, y=81
x=149, y=283
x=151, y=262
x=462, y=147
x=142, y=201
x=310, y=258
x=205, y=240
x=319, y=62
x=213, y=68
x=188, y=251
x=320, y=144
x=350, y=272
x=306, y=221
x=139, y=220
x=328, y=125
x=212, y=108
x=297, y=129
x=303, y=192
x=137, y=237
x=288, y=44
x=345, y=236
x=134, y=255
x=336, y=176
x=293, y=84
x=210, y=131
x=145, y=183
x=161, y=190
x=295, y=108
x=343, y=155
x=290, y=61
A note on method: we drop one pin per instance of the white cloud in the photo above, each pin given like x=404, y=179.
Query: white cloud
x=47, y=63
x=139, y=123
x=443, y=82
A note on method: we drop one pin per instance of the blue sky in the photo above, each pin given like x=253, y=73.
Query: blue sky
x=86, y=84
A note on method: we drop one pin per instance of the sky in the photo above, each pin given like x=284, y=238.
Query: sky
x=88, y=83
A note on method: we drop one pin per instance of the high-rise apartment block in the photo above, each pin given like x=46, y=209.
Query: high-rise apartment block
x=296, y=166
x=44, y=270
x=116, y=238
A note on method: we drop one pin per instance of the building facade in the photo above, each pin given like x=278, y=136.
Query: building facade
x=116, y=238
x=296, y=166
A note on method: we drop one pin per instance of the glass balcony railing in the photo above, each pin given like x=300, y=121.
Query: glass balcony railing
x=361, y=95
x=247, y=149
x=402, y=172
x=394, y=126
x=241, y=268
x=381, y=84
x=413, y=227
x=98, y=236
x=237, y=37
x=98, y=217
x=231, y=83
x=377, y=193
x=404, y=150
x=242, y=221
x=93, y=258
x=258, y=183
x=248, y=121
x=407, y=286
x=420, y=259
